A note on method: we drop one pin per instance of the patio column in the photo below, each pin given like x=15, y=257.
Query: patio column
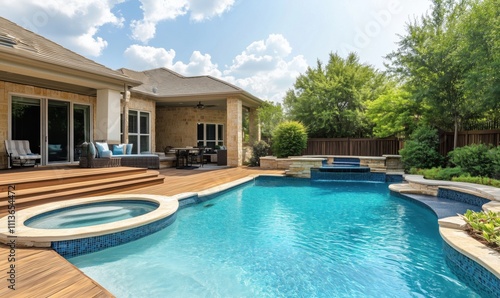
x=234, y=132
x=254, y=126
x=108, y=116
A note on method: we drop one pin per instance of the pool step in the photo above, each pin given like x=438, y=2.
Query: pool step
x=71, y=188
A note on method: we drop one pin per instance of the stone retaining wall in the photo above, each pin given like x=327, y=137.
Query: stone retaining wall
x=300, y=166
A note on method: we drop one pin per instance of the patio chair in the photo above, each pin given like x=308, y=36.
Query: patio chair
x=198, y=158
x=19, y=153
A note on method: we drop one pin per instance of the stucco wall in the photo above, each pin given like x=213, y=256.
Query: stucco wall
x=177, y=127
x=7, y=88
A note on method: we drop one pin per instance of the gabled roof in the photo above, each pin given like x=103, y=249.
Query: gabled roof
x=165, y=83
x=19, y=44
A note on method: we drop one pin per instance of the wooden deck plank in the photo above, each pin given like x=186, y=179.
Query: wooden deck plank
x=44, y=273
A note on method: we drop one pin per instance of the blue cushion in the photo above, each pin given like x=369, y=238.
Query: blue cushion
x=91, y=151
x=100, y=148
x=118, y=149
x=106, y=153
x=129, y=148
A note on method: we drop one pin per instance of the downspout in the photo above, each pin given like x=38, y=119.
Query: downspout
x=126, y=97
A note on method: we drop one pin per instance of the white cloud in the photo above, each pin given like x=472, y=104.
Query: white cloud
x=263, y=68
x=73, y=23
x=144, y=57
x=202, y=9
x=199, y=64
x=155, y=11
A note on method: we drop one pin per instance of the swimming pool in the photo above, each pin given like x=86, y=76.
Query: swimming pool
x=284, y=238
x=90, y=214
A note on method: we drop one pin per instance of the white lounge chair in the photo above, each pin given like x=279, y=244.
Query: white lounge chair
x=19, y=153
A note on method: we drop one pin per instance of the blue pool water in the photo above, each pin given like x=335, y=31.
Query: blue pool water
x=90, y=214
x=286, y=238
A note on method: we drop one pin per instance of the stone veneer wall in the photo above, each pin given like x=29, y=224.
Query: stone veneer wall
x=177, y=127
x=144, y=105
x=234, y=132
x=7, y=88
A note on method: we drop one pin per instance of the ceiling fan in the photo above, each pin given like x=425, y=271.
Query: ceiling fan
x=201, y=106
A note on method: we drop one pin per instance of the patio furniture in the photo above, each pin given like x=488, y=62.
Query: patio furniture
x=197, y=157
x=222, y=157
x=185, y=157
x=102, y=162
x=89, y=158
x=19, y=153
x=108, y=159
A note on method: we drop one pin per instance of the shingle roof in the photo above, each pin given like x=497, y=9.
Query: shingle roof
x=162, y=82
x=15, y=40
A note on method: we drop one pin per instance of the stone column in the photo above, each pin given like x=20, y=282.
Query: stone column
x=254, y=126
x=234, y=132
x=108, y=116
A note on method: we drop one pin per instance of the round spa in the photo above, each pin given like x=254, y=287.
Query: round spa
x=86, y=225
x=91, y=214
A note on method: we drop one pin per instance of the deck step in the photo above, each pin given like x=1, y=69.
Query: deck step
x=56, y=184
x=67, y=186
x=27, y=180
x=72, y=193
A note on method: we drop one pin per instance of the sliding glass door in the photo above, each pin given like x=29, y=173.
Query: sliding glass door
x=55, y=129
x=58, y=131
x=81, y=128
x=25, y=121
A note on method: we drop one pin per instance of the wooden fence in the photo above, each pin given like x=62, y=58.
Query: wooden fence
x=379, y=147
x=465, y=138
x=354, y=147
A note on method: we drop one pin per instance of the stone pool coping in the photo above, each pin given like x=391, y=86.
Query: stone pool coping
x=452, y=229
x=32, y=237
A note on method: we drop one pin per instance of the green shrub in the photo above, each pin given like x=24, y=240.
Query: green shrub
x=477, y=180
x=289, y=139
x=259, y=149
x=484, y=226
x=476, y=159
x=495, y=154
x=421, y=150
x=439, y=173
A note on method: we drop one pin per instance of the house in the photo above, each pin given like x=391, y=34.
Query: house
x=58, y=99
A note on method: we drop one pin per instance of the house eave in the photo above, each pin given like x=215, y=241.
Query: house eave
x=47, y=71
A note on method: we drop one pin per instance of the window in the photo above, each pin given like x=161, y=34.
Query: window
x=210, y=135
x=139, y=131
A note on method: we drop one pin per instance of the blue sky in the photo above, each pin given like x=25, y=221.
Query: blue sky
x=258, y=45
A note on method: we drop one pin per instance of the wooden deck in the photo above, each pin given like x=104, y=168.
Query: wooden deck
x=44, y=273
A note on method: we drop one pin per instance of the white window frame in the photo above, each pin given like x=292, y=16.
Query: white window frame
x=219, y=139
x=139, y=134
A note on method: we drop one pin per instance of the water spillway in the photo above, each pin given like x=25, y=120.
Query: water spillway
x=345, y=169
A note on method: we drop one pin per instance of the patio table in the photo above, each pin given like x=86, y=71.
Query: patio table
x=182, y=156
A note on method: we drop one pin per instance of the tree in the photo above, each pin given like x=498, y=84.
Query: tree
x=270, y=115
x=392, y=113
x=479, y=48
x=430, y=63
x=330, y=100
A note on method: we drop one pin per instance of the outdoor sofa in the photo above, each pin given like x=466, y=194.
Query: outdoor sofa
x=102, y=155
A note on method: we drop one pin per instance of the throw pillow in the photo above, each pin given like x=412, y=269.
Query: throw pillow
x=85, y=149
x=118, y=149
x=106, y=153
x=92, y=152
x=101, y=147
x=129, y=148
